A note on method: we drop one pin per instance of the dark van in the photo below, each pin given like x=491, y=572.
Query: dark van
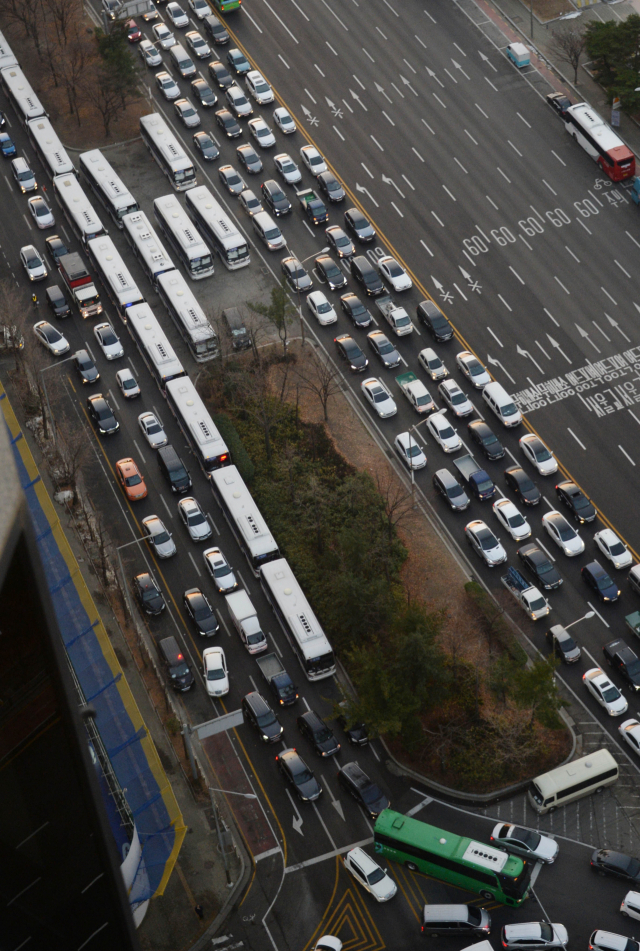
x=180, y=674
x=174, y=470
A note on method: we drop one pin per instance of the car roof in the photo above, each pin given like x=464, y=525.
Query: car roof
x=365, y=861
x=527, y=929
x=616, y=942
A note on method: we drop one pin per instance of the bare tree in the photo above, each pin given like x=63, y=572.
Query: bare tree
x=320, y=377
x=73, y=448
x=103, y=95
x=28, y=13
x=253, y=394
x=279, y=312
x=397, y=502
x=12, y=305
x=72, y=66
x=65, y=15
x=568, y=43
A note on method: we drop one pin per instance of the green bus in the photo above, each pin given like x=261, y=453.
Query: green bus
x=225, y=6
x=472, y=865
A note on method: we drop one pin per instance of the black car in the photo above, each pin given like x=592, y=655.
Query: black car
x=563, y=645
x=435, y=321
x=238, y=62
x=600, y=581
x=295, y=771
x=359, y=225
x=523, y=485
x=297, y=276
x=576, y=501
x=451, y=491
x=102, y=415
x=363, y=271
x=148, y=594
x=56, y=301
x=559, y=103
x=200, y=612
x=355, y=309
x=248, y=157
x=216, y=30
x=85, y=367
x=318, y=733
x=206, y=146
x=619, y=655
x=383, y=349
x=228, y=123
x=329, y=184
x=220, y=74
x=203, y=93
x=484, y=437
x=540, y=566
x=357, y=734
x=55, y=248
x=351, y=352
x=352, y=778
x=259, y=714
x=339, y=241
x=329, y=272
x=274, y=198
x=607, y=862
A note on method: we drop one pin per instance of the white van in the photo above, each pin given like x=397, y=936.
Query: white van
x=572, y=781
x=182, y=61
x=268, y=231
x=502, y=404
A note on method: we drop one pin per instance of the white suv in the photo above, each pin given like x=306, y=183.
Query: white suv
x=534, y=934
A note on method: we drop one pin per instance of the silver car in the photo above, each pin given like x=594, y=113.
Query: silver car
x=250, y=203
x=287, y=168
x=238, y=102
x=220, y=570
x=534, y=934
x=152, y=430
x=164, y=36
x=283, y=120
x=195, y=520
x=167, y=86
x=526, y=842
x=149, y=53
x=158, y=537
x=187, y=113
x=41, y=213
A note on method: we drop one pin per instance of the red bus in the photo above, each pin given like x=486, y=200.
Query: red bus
x=600, y=142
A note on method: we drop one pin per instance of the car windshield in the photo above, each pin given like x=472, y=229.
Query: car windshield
x=133, y=480
x=359, y=221
x=333, y=186
x=487, y=539
x=286, y=690
x=565, y=531
x=149, y=594
x=541, y=452
x=489, y=440
x=525, y=485
x=538, y=604
x=323, y=308
x=288, y=167
x=413, y=450
x=617, y=548
x=475, y=367
x=379, y=396
x=109, y=338
x=509, y=409
x=385, y=347
x=485, y=485
x=603, y=582
x=195, y=518
x=153, y=428
x=457, y=397
x=233, y=179
x=277, y=196
x=84, y=363
x=129, y=384
x=370, y=793
x=434, y=363
x=546, y=931
x=402, y=321
x=167, y=83
x=205, y=142
x=544, y=567
x=25, y=176
x=304, y=776
x=447, y=432
x=201, y=612
x=215, y=673
x=375, y=876
x=455, y=491
x=267, y=719
x=103, y=412
x=526, y=836
x=341, y=241
x=33, y=262
x=609, y=692
x=162, y=537
x=221, y=571
x=299, y=272
x=272, y=234
x=261, y=131
x=515, y=521
x=331, y=269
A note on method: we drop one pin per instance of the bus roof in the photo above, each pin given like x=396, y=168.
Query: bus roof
x=596, y=126
x=292, y=602
x=591, y=765
x=247, y=515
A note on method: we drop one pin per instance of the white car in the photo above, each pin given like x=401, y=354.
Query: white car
x=195, y=520
x=220, y=570
x=474, y=371
x=485, y=544
x=612, y=548
x=51, y=338
x=457, y=401
x=149, y=53
x=108, y=340
x=177, y=15
x=216, y=674
x=168, y=86
x=127, y=383
x=534, y=934
x=538, y=454
x=443, y=432
x=563, y=533
x=199, y=47
x=258, y=87
x=283, y=120
x=238, y=102
x=250, y=203
x=158, y=537
x=152, y=430
x=312, y=159
x=40, y=212
x=376, y=881
x=262, y=133
x=409, y=451
x=186, y=112
x=287, y=168
x=33, y=263
x=509, y=516
x=525, y=842
x=376, y=393
x=606, y=693
x=629, y=730
x=431, y=362
x=200, y=8
x=393, y=273
x=164, y=36
x=321, y=308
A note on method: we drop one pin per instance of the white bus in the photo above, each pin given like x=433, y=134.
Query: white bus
x=298, y=621
x=155, y=349
x=107, y=185
x=114, y=275
x=22, y=96
x=180, y=232
x=77, y=208
x=605, y=147
x=168, y=151
x=188, y=316
x=195, y=422
x=572, y=781
x=146, y=246
x=244, y=517
x=53, y=154
x=216, y=225
x=7, y=57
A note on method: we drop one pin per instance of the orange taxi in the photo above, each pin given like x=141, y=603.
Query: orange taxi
x=131, y=480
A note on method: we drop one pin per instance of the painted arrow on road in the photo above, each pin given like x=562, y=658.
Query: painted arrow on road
x=445, y=295
x=496, y=363
x=365, y=191
x=390, y=181
x=407, y=83
x=354, y=95
x=527, y=355
x=585, y=336
x=616, y=326
x=486, y=60
x=458, y=66
x=337, y=112
x=433, y=76
x=310, y=119
x=380, y=89
x=554, y=343
x=473, y=285
x=297, y=819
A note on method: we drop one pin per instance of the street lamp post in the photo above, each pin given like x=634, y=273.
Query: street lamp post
x=585, y=617
x=315, y=254
x=221, y=844
x=46, y=394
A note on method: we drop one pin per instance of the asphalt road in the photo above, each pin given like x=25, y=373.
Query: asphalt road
x=477, y=167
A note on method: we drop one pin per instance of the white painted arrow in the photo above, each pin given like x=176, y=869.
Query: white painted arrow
x=616, y=326
x=354, y=95
x=437, y=283
x=527, y=355
x=458, y=66
x=585, y=336
x=407, y=83
x=433, y=76
x=390, y=181
x=554, y=343
x=297, y=819
x=496, y=363
x=487, y=61
x=337, y=805
x=380, y=89
x=365, y=191
x=466, y=275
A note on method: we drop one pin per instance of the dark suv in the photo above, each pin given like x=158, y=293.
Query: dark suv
x=295, y=771
x=200, y=612
x=576, y=501
x=318, y=733
x=352, y=778
x=483, y=436
x=435, y=321
x=274, y=198
x=616, y=864
x=619, y=655
x=259, y=714
x=148, y=594
x=102, y=415
x=365, y=274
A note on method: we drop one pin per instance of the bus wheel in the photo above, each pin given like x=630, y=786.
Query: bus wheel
x=411, y=866
x=552, y=808
x=599, y=789
x=486, y=894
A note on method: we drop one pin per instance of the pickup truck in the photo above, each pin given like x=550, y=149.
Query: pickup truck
x=529, y=598
x=79, y=284
x=396, y=316
x=313, y=206
x=245, y=620
x=477, y=479
x=416, y=392
x=279, y=681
